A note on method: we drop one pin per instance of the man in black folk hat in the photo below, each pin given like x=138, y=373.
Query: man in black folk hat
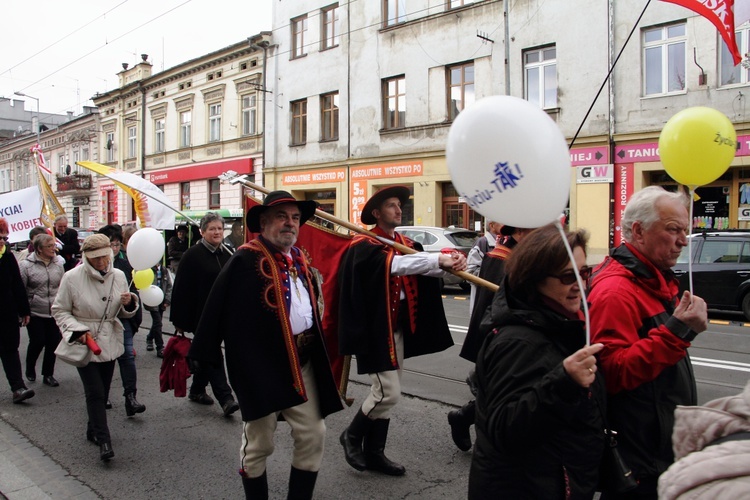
x=390, y=309
x=263, y=306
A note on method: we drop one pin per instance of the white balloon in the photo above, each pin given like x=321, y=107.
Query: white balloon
x=152, y=296
x=509, y=161
x=145, y=248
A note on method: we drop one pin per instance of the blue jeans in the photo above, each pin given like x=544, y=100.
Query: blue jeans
x=127, y=361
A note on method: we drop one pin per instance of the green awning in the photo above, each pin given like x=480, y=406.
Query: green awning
x=227, y=213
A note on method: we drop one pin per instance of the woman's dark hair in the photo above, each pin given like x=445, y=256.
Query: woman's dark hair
x=540, y=254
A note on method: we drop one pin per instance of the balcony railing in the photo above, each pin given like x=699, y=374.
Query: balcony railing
x=73, y=182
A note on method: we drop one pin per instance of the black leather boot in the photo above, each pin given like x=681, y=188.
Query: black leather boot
x=301, y=484
x=132, y=406
x=256, y=488
x=460, y=421
x=351, y=440
x=374, y=447
x=106, y=452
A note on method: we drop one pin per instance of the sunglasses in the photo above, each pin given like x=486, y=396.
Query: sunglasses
x=569, y=277
x=5, y=238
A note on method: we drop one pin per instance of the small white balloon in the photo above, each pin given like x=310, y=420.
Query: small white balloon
x=151, y=296
x=145, y=248
x=510, y=162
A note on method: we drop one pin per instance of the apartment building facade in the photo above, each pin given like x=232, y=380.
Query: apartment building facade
x=183, y=127
x=364, y=94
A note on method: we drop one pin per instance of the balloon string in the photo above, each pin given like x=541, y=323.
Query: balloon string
x=690, y=241
x=584, y=300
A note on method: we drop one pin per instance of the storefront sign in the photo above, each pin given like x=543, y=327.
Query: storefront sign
x=595, y=174
x=744, y=212
x=589, y=156
x=201, y=171
x=314, y=176
x=637, y=152
x=360, y=175
x=80, y=201
x=623, y=192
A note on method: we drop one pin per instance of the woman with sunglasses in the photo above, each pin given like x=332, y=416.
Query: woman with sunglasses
x=540, y=431
x=15, y=313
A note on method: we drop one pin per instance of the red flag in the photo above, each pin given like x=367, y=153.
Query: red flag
x=324, y=249
x=721, y=15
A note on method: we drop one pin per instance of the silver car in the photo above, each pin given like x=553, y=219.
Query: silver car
x=443, y=239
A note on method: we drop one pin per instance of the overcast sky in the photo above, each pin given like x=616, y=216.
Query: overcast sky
x=63, y=52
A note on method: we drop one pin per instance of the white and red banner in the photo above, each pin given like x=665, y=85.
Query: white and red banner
x=21, y=211
x=721, y=15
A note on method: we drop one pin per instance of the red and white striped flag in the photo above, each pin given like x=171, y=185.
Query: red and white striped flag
x=721, y=15
x=36, y=149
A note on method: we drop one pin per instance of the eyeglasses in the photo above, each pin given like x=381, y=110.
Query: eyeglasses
x=6, y=238
x=569, y=277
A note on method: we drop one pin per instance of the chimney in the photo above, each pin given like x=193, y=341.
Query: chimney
x=124, y=66
x=70, y=115
x=144, y=57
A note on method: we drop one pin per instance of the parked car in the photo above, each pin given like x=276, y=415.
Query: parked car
x=443, y=239
x=721, y=269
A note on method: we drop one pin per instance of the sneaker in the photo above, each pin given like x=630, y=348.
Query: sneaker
x=201, y=398
x=149, y=345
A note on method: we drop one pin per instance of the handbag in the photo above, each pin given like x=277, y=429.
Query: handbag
x=614, y=474
x=73, y=353
x=78, y=353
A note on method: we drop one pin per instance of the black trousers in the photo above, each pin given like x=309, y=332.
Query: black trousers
x=43, y=335
x=10, y=339
x=96, y=378
x=216, y=376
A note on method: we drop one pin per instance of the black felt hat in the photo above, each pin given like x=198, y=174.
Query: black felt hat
x=507, y=230
x=400, y=192
x=274, y=198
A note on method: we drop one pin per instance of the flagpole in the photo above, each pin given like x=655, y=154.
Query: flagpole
x=233, y=178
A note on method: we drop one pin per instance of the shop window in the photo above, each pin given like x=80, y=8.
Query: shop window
x=185, y=195
x=455, y=212
x=214, y=193
x=111, y=206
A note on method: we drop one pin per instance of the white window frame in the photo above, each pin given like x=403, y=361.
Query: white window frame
x=249, y=103
x=61, y=164
x=663, y=47
x=463, y=89
x=186, y=120
x=4, y=180
x=729, y=74
x=214, y=122
x=545, y=69
x=111, y=151
x=159, y=137
x=132, y=141
x=394, y=12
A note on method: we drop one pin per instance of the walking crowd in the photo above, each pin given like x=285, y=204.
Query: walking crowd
x=547, y=401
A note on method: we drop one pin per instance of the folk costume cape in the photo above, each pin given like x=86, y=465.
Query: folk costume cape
x=492, y=270
x=369, y=307
x=248, y=310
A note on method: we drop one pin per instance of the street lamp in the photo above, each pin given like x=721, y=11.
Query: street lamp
x=38, y=115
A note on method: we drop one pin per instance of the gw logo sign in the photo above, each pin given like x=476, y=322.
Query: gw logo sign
x=744, y=213
x=595, y=173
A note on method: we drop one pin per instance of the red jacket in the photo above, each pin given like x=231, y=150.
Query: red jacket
x=646, y=367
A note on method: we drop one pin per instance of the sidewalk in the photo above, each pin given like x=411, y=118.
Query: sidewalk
x=26, y=473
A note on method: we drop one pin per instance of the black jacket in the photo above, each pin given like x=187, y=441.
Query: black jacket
x=71, y=248
x=198, y=270
x=13, y=298
x=538, y=432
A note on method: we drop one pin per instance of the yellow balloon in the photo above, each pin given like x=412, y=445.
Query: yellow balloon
x=697, y=145
x=143, y=278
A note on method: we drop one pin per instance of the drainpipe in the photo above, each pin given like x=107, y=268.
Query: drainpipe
x=507, y=46
x=262, y=45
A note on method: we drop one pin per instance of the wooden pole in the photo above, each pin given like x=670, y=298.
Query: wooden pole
x=234, y=178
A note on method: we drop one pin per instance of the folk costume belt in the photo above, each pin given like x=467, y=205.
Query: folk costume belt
x=305, y=342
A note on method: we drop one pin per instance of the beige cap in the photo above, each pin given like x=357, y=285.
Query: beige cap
x=96, y=245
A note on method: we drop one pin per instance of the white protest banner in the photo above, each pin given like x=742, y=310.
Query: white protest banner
x=22, y=210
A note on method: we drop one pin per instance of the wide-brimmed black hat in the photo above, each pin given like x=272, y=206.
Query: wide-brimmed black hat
x=400, y=192
x=507, y=230
x=274, y=198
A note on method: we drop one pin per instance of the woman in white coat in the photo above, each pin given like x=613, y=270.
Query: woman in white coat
x=90, y=300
